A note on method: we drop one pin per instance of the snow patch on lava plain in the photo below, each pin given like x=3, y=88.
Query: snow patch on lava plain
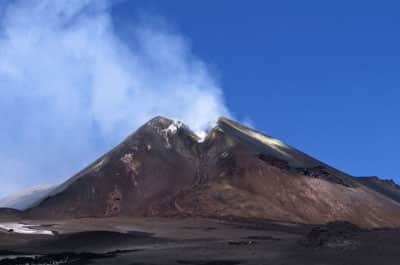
x=24, y=229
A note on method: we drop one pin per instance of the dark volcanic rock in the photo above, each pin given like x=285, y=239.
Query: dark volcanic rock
x=208, y=262
x=61, y=258
x=324, y=173
x=338, y=234
x=387, y=188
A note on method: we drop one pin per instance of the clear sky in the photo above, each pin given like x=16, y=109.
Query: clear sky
x=77, y=76
x=322, y=75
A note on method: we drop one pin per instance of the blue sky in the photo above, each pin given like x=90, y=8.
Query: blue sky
x=321, y=75
x=76, y=77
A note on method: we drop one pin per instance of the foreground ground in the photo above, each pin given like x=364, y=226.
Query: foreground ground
x=195, y=242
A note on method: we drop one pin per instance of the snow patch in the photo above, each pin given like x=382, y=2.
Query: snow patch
x=201, y=136
x=267, y=140
x=132, y=164
x=127, y=158
x=100, y=164
x=173, y=127
x=24, y=229
x=275, y=144
x=170, y=131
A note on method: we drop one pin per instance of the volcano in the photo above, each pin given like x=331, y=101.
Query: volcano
x=165, y=170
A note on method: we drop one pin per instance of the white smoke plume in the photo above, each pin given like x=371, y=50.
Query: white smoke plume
x=71, y=87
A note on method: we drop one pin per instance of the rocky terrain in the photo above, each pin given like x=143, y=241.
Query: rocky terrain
x=166, y=196
x=197, y=241
x=165, y=170
x=386, y=187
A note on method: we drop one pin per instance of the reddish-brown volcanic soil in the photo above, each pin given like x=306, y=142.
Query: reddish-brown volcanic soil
x=164, y=170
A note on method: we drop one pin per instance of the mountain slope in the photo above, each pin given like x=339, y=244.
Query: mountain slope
x=387, y=188
x=150, y=165
x=164, y=170
x=26, y=199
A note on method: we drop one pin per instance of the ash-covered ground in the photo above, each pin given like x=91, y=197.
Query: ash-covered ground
x=152, y=241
